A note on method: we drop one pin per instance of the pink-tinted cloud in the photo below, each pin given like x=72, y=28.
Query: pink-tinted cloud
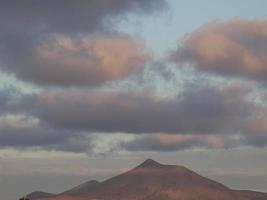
x=167, y=142
x=232, y=48
x=258, y=125
x=90, y=60
x=70, y=43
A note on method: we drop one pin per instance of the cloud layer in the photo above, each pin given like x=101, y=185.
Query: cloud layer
x=73, y=119
x=74, y=48
x=196, y=110
x=198, y=117
x=168, y=143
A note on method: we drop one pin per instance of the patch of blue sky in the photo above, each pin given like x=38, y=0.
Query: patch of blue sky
x=162, y=31
x=8, y=80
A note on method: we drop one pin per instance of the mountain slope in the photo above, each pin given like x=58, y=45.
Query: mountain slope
x=155, y=181
x=251, y=195
x=82, y=189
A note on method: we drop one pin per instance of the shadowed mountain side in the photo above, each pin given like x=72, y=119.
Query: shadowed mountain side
x=154, y=181
x=82, y=189
x=39, y=194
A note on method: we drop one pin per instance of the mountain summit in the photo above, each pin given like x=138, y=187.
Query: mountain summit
x=154, y=181
x=149, y=163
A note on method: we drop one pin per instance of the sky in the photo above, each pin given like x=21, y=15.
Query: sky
x=90, y=89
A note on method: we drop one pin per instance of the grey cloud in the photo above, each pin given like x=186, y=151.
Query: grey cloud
x=65, y=119
x=70, y=16
x=255, y=140
x=196, y=110
x=20, y=130
x=23, y=132
x=46, y=139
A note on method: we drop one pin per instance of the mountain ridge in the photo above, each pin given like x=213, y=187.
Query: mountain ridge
x=155, y=181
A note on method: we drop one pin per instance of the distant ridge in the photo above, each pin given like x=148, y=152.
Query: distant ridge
x=155, y=181
x=39, y=194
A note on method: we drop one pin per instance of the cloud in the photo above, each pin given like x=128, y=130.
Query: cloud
x=23, y=132
x=255, y=140
x=70, y=43
x=82, y=120
x=71, y=16
x=258, y=125
x=232, y=48
x=196, y=110
x=168, y=143
x=19, y=129
x=90, y=60
x=161, y=142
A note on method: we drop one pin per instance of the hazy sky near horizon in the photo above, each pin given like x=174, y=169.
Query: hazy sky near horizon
x=89, y=89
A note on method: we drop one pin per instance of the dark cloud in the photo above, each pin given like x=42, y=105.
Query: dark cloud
x=55, y=43
x=232, y=48
x=70, y=16
x=255, y=140
x=196, y=110
x=23, y=132
x=19, y=129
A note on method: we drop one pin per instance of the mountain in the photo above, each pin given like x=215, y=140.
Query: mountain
x=154, y=181
x=39, y=195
